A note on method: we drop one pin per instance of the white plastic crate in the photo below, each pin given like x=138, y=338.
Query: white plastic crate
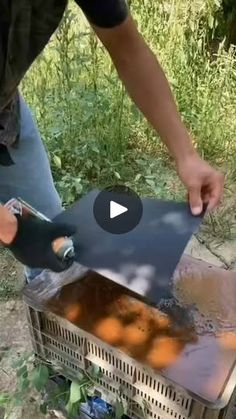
x=57, y=340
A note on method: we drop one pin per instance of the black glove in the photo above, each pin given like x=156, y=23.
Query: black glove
x=32, y=245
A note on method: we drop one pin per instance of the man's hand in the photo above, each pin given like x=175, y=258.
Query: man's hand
x=32, y=243
x=204, y=184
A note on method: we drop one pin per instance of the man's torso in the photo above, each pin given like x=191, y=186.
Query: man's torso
x=25, y=29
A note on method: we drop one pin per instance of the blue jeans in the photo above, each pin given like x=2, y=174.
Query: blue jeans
x=30, y=177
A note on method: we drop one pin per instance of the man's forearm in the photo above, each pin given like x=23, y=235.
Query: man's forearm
x=8, y=225
x=148, y=87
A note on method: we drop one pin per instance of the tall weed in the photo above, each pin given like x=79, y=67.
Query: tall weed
x=96, y=136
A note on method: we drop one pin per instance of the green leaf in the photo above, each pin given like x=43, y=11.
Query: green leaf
x=68, y=407
x=151, y=183
x=18, y=363
x=75, y=392
x=43, y=408
x=119, y=409
x=18, y=400
x=150, y=177
x=95, y=371
x=137, y=177
x=95, y=149
x=146, y=407
x=84, y=395
x=39, y=377
x=44, y=372
x=79, y=376
x=191, y=26
x=217, y=3
x=57, y=161
x=22, y=371
x=211, y=21
x=4, y=398
x=117, y=175
x=72, y=409
x=78, y=185
x=23, y=384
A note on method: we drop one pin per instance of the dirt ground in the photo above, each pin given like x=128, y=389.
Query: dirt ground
x=12, y=277
x=14, y=341
x=14, y=335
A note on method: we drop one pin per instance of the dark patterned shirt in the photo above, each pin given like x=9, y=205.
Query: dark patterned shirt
x=25, y=28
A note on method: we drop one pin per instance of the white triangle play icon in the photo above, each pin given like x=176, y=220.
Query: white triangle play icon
x=116, y=209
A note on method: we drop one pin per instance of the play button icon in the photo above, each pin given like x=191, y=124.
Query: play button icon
x=117, y=209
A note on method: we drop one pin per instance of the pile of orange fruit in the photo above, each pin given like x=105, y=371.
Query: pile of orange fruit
x=119, y=318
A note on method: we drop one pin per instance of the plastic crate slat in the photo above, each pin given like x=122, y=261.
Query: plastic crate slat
x=74, y=350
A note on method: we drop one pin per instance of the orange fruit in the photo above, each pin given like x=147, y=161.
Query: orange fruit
x=164, y=352
x=126, y=308
x=162, y=322
x=134, y=335
x=72, y=312
x=109, y=329
x=228, y=340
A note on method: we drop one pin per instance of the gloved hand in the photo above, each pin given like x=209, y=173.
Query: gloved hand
x=32, y=244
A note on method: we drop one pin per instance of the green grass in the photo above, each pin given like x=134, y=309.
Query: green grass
x=95, y=135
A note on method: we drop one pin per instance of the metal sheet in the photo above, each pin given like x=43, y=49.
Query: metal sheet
x=142, y=260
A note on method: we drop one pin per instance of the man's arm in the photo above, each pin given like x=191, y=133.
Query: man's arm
x=147, y=85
